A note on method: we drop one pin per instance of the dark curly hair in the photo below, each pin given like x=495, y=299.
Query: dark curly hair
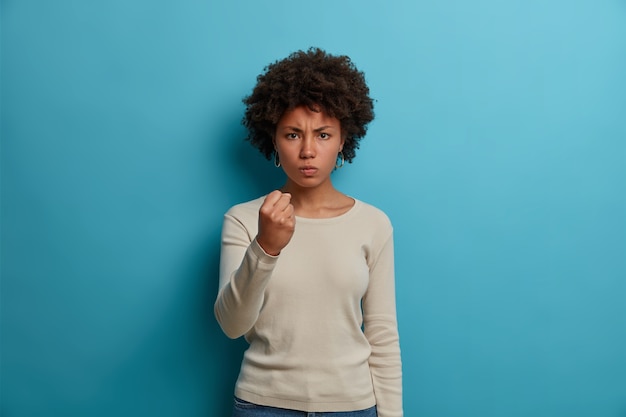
x=315, y=79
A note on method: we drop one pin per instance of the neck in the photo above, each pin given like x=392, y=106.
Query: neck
x=311, y=198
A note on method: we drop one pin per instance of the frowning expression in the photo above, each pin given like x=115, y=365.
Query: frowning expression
x=307, y=143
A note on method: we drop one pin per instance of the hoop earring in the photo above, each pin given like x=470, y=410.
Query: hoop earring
x=339, y=165
x=276, y=160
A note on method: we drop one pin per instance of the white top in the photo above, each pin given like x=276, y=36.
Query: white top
x=320, y=317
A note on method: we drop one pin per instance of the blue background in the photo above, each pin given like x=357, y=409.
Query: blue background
x=498, y=151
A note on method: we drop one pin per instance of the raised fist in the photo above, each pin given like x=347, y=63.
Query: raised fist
x=277, y=222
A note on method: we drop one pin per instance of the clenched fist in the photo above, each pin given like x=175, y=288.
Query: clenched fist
x=277, y=222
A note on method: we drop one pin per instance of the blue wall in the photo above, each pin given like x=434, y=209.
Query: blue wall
x=499, y=152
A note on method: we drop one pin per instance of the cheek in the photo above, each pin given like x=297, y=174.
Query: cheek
x=331, y=157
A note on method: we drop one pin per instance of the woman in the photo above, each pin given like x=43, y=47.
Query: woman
x=306, y=272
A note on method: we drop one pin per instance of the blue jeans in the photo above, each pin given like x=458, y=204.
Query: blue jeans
x=243, y=408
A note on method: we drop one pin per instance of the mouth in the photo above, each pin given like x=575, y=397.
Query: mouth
x=308, y=170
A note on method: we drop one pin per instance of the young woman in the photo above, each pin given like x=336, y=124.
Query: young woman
x=307, y=272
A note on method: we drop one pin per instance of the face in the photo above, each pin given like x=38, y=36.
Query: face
x=307, y=143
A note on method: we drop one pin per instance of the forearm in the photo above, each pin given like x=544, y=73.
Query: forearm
x=245, y=270
x=381, y=330
x=385, y=365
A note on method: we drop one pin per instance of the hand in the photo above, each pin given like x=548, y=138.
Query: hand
x=277, y=222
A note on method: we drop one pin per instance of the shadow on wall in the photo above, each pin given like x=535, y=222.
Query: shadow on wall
x=262, y=176
x=185, y=362
x=249, y=175
x=225, y=354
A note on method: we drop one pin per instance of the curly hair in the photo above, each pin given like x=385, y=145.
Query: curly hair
x=315, y=79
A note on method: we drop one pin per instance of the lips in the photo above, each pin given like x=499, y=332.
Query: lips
x=308, y=170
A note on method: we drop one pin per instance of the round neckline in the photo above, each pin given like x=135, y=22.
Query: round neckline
x=334, y=219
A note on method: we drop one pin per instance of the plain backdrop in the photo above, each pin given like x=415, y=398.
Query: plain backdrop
x=498, y=151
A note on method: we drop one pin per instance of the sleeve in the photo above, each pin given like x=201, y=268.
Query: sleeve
x=245, y=270
x=381, y=330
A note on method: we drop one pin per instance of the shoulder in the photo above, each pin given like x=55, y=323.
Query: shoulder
x=248, y=207
x=371, y=211
x=372, y=215
x=245, y=213
x=242, y=218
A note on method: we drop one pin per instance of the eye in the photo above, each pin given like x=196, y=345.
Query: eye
x=324, y=135
x=292, y=135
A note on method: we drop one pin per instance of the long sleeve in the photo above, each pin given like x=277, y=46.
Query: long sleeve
x=381, y=330
x=245, y=270
x=320, y=318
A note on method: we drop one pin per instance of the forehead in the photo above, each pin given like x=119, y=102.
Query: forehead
x=303, y=115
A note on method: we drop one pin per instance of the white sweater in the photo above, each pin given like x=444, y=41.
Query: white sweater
x=320, y=317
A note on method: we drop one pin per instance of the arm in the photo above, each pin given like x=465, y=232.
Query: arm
x=381, y=330
x=245, y=270
x=246, y=264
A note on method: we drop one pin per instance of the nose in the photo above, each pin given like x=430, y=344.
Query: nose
x=308, y=148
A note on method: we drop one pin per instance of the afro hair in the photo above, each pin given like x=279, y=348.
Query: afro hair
x=316, y=79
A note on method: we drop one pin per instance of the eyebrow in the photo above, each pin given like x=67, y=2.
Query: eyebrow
x=319, y=129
